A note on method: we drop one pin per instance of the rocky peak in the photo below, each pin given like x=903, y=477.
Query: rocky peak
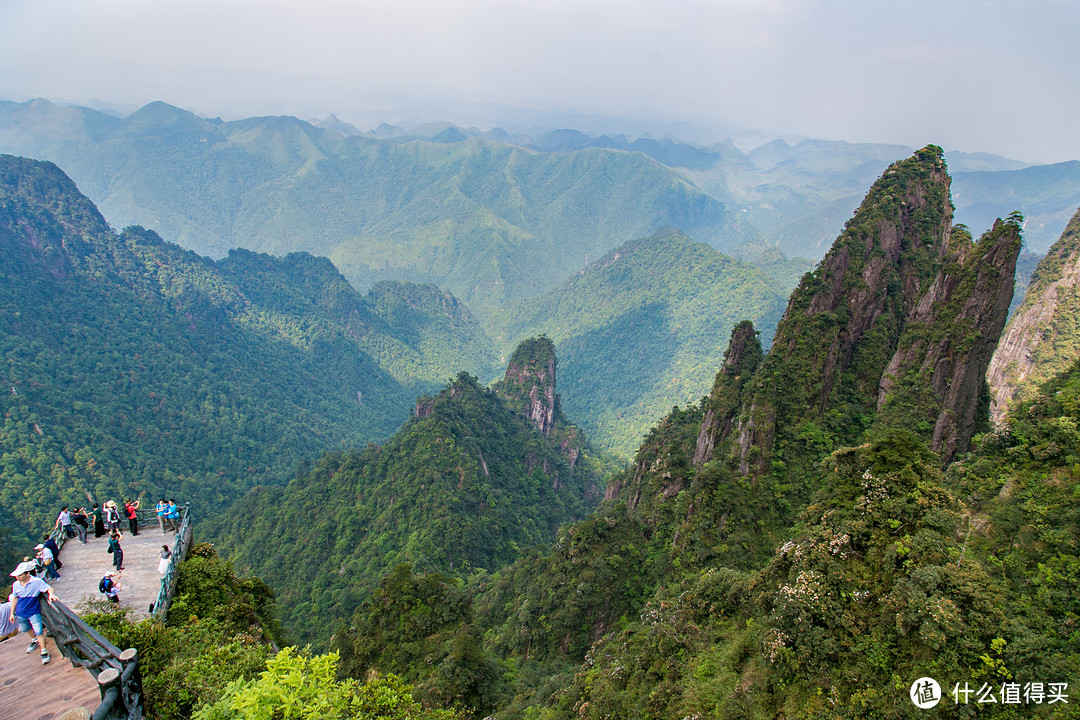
x=722, y=406
x=843, y=321
x=1043, y=337
x=528, y=387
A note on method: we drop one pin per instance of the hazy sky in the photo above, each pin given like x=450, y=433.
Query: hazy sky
x=996, y=75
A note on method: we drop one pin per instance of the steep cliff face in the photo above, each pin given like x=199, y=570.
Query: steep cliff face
x=722, y=406
x=1043, y=337
x=820, y=379
x=528, y=389
x=936, y=377
x=528, y=386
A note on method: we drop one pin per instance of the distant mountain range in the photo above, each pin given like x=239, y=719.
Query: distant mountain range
x=497, y=225
x=487, y=220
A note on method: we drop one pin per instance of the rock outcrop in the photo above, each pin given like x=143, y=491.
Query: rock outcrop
x=895, y=326
x=528, y=388
x=1043, y=337
x=722, y=406
x=937, y=375
x=529, y=384
x=844, y=320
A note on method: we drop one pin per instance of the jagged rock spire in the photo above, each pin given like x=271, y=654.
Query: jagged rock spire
x=722, y=406
x=937, y=375
x=843, y=321
x=528, y=386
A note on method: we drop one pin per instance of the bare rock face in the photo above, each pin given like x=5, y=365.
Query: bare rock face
x=529, y=384
x=528, y=388
x=937, y=374
x=1043, y=337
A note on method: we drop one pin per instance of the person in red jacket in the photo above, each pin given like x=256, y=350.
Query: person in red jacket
x=133, y=520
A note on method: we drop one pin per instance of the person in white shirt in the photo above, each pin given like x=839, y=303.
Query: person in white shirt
x=45, y=555
x=25, y=606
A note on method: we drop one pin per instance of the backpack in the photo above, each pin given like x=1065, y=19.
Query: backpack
x=105, y=585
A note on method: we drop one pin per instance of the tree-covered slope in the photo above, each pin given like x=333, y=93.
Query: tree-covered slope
x=485, y=220
x=640, y=330
x=826, y=582
x=419, y=334
x=471, y=480
x=131, y=365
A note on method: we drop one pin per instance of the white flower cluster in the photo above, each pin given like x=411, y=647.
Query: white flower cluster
x=875, y=493
x=808, y=588
x=773, y=644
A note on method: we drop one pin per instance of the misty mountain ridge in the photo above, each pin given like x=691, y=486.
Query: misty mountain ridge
x=486, y=220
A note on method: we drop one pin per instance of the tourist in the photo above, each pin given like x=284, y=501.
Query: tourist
x=99, y=520
x=112, y=517
x=166, y=559
x=26, y=606
x=116, y=550
x=110, y=585
x=48, y=542
x=172, y=514
x=82, y=523
x=63, y=520
x=162, y=510
x=133, y=518
x=48, y=561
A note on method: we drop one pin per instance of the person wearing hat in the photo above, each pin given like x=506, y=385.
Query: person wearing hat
x=112, y=517
x=46, y=557
x=25, y=606
x=110, y=585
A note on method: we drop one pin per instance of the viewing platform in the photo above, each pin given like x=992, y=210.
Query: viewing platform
x=89, y=677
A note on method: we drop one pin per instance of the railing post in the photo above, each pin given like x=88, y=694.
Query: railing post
x=109, y=685
x=131, y=684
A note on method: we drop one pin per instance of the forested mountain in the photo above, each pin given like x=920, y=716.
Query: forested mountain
x=132, y=365
x=800, y=544
x=637, y=330
x=1043, y=338
x=475, y=477
x=486, y=220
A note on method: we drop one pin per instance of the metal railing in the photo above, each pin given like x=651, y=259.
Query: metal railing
x=179, y=553
x=116, y=671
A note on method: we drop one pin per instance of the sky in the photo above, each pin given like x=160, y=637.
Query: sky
x=1000, y=76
